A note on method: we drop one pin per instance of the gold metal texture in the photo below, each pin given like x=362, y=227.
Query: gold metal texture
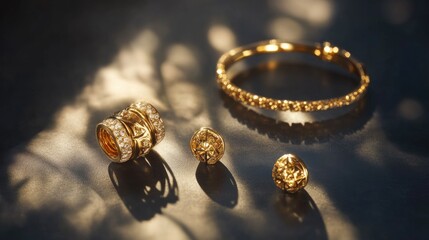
x=324, y=51
x=131, y=132
x=207, y=145
x=290, y=173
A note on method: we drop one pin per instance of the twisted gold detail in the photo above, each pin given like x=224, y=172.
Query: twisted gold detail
x=323, y=51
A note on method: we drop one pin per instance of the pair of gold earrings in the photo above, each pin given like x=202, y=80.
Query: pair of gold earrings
x=289, y=172
x=135, y=130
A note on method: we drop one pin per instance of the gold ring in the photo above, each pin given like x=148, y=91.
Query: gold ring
x=290, y=173
x=130, y=133
x=207, y=145
x=323, y=51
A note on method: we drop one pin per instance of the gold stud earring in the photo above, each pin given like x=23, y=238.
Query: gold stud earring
x=207, y=145
x=290, y=173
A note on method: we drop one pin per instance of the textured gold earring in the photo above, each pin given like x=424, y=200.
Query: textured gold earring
x=131, y=132
x=290, y=173
x=207, y=145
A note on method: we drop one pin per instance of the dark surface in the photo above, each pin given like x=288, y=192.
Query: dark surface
x=64, y=67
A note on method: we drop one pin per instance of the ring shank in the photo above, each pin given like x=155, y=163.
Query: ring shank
x=323, y=51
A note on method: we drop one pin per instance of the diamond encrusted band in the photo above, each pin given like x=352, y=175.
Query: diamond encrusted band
x=131, y=132
x=323, y=51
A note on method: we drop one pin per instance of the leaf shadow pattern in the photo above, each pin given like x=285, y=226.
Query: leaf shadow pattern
x=218, y=183
x=300, y=212
x=145, y=185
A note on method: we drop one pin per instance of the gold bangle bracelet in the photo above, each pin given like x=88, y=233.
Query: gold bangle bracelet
x=323, y=51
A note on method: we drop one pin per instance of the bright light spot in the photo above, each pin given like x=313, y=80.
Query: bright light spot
x=397, y=11
x=317, y=52
x=186, y=100
x=370, y=151
x=73, y=120
x=110, y=88
x=171, y=72
x=271, y=48
x=80, y=206
x=327, y=49
x=232, y=52
x=184, y=58
x=286, y=28
x=410, y=109
x=286, y=46
x=347, y=54
x=130, y=77
x=221, y=38
x=179, y=71
x=315, y=12
x=247, y=53
x=295, y=117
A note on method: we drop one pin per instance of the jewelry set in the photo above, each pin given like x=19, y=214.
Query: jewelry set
x=134, y=131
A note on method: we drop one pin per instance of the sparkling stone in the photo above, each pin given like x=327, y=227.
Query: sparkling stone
x=152, y=116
